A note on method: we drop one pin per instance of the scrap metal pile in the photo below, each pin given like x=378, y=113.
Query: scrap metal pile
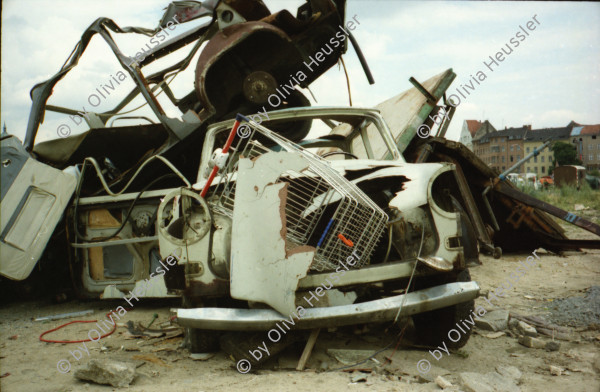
x=265, y=217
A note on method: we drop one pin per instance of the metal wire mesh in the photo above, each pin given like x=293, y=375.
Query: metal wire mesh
x=321, y=204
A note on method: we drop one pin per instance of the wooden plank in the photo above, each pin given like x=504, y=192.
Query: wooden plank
x=312, y=339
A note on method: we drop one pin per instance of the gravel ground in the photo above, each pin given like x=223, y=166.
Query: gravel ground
x=577, y=311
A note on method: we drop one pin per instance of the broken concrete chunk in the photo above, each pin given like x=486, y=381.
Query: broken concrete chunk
x=555, y=370
x=531, y=342
x=502, y=383
x=106, y=371
x=496, y=320
x=489, y=382
x=442, y=382
x=494, y=335
x=358, y=377
x=475, y=382
x=349, y=357
x=513, y=323
x=552, y=346
x=201, y=356
x=510, y=372
x=526, y=329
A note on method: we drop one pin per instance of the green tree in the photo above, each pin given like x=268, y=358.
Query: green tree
x=565, y=154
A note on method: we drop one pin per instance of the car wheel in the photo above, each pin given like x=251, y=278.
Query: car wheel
x=199, y=340
x=433, y=328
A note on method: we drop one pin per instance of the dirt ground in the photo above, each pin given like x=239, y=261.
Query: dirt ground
x=27, y=364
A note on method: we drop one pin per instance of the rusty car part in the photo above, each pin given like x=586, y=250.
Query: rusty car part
x=385, y=309
x=471, y=208
x=535, y=229
x=245, y=22
x=503, y=188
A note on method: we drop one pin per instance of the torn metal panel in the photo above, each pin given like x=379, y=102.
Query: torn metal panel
x=405, y=112
x=34, y=197
x=264, y=268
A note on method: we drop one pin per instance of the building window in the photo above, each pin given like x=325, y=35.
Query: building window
x=503, y=159
x=591, y=157
x=512, y=147
x=599, y=157
x=503, y=168
x=535, y=169
x=528, y=169
x=503, y=149
x=543, y=169
x=518, y=148
x=511, y=158
x=542, y=159
x=527, y=149
x=590, y=146
x=534, y=159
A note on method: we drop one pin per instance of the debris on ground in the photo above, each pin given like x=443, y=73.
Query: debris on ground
x=493, y=335
x=526, y=329
x=358, y=377
x=107, y=372
x=577, y=311
x=496, y=320
x=350, y=357
x=531, y=342
x=542, y=326
x=492, y=381
x=552, y=346
x=442, y=382
x=511, y=372
x=555, y=370
x=65, y=315
x=201, y=356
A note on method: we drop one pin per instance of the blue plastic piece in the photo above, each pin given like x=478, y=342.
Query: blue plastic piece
x=241, y=117
x=325, y=233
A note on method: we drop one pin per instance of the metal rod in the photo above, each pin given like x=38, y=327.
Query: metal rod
x=430, y=98
x=361, y=58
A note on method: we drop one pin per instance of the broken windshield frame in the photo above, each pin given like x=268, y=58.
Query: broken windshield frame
x=358, y=118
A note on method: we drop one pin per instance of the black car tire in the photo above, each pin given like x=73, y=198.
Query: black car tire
x=432, y=328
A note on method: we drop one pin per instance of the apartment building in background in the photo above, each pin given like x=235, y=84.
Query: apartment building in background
x=586, y=139
x=500, y=149
x=535, y=138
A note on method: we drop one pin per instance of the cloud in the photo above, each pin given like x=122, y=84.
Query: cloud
x=552, y=78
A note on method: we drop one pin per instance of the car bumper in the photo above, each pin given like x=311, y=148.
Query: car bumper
x=373, y=311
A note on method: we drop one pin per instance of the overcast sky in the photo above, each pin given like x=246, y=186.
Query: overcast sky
x=551, y=78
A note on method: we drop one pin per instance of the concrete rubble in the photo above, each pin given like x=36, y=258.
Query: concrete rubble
x=442, y=382
x=526, y=329
x=489, y=382
x=109, y=372
x=531, y=342
x=496, y=320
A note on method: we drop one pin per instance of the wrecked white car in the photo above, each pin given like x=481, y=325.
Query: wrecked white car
x=283, y=231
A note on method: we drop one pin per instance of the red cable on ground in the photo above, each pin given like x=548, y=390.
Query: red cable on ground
x=76, y=341
x=395, y=348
